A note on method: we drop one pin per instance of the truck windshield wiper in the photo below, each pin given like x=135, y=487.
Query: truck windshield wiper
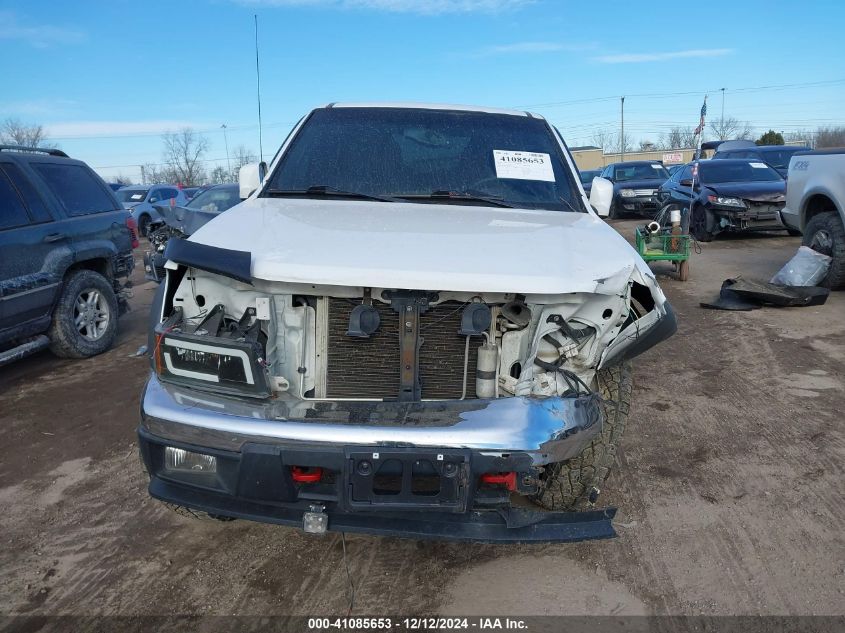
x=459, y=196
x=325, y=190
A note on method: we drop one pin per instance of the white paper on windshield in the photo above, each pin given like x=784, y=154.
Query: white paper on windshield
x=657, y=166
x=137, y=196
x=758, y=165
x=523, y=165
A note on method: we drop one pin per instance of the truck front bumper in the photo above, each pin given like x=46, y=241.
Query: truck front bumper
x=278, y=460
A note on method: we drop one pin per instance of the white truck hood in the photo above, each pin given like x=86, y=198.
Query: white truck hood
x=425, y=246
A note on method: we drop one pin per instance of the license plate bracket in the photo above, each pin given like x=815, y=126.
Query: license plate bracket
x=406, y=479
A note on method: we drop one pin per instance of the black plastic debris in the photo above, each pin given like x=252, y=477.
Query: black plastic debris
x=748, y=294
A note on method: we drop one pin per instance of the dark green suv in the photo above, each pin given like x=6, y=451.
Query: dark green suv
x=65, y=245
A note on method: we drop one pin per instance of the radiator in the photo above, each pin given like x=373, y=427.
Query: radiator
x=369, y=367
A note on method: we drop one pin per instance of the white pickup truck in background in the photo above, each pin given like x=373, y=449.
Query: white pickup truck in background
x=815, y=205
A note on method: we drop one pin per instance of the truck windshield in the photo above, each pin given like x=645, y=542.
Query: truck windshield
x=420, y=155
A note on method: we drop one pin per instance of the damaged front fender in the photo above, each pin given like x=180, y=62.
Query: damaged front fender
x=652, y=321
x=641, y=335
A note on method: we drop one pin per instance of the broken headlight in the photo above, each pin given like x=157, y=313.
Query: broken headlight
x=211, y=356
x=726, y=202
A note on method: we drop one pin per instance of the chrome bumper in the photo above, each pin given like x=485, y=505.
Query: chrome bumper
x=548, y=429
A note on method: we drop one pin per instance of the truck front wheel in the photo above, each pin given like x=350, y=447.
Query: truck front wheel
x=825, y=234
x=573, y=484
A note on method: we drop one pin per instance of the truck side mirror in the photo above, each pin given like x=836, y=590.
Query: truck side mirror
x=250, y=178
x=601, y=196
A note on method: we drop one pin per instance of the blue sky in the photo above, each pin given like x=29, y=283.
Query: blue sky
x=107, y=78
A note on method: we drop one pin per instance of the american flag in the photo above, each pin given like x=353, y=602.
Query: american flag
x=700, y=127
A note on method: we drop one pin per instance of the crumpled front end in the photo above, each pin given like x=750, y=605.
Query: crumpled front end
x=361, y=403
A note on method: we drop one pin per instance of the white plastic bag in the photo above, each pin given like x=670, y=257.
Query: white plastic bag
x=806, y=268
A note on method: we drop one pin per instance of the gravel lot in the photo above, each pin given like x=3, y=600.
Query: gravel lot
x=729, y=488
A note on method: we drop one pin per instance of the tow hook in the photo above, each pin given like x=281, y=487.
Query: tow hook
x=315, y=521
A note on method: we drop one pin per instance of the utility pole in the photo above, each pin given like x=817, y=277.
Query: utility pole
x=258, y=92
x=226, y=142
x=723, y=108
x=622, y=134
x=143, y=176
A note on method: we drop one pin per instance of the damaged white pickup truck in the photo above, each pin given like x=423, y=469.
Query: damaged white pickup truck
x=414, y=325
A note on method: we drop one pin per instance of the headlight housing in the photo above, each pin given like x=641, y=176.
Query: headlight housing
x=205, y=361
x=726, y=202
x=627, y=193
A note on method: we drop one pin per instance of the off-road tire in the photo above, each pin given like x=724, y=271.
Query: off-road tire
x=65, y=338
x=613, y=213
x=144, y=224
x=830, y=223
x=570, y=485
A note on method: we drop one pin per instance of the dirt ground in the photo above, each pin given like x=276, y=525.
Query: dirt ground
x=729, y=489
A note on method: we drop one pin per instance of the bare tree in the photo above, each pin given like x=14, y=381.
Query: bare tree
x=609, y=142
x=804, y=137
x=183, y=156
x=603, y=140
x=122, y=180
x=242, y=156
x=153, y=173
x=16, y=132
x=621, y=142
x=732, y=129
x=678, y=138
x=647, y=146
x=219, y=175
x=830, y=136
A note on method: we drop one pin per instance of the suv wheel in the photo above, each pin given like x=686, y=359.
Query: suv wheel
x=825, y=234
x=85, y=317
x=144, y=225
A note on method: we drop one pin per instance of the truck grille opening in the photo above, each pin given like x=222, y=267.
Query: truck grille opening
x=369, y=367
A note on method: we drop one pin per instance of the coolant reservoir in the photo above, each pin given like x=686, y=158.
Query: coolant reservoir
x=485, y=373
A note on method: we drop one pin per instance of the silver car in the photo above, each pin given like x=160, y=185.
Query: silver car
x=140, y=200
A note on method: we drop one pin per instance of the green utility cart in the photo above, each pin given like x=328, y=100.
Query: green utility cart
x=665, y=246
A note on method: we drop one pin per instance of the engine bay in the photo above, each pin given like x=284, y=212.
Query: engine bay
x=348, y=343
